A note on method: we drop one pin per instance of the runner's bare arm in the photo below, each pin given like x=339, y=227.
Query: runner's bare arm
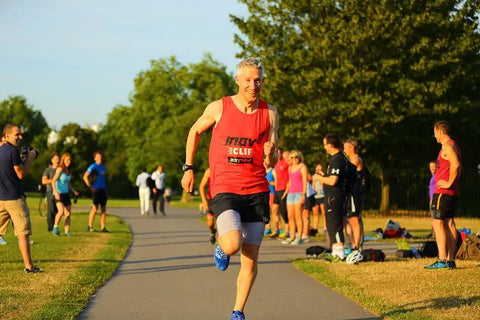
x=210, y=116
x=270, y=147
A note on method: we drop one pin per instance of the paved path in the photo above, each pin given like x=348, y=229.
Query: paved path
x=169, y=273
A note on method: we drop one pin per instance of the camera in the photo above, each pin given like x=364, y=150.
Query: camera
x=26, y=150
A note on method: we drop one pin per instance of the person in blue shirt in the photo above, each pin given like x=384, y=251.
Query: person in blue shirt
x=12, y=198
x=61, y=190
x=96, y=179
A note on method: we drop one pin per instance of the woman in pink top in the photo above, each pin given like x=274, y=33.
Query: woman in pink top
x=295, y=193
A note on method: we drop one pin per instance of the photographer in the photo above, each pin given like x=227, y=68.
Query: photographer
x=12, y=199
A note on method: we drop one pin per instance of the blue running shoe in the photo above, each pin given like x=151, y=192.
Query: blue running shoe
x=347, y=251
x=267, y=232
x=437, y=265
x=221, y=259
x=237, y=315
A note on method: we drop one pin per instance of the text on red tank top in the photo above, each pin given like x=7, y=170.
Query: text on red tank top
x=236, y=150
x=443, y=172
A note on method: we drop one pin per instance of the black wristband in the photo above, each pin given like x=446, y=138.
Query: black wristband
x=187, y=167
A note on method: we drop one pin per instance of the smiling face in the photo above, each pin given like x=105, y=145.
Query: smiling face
x=250, y=83
x=13, y=136
x=55, y=160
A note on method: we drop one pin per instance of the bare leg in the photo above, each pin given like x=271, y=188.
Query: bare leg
x=315, y=218
x=246, y=276
x=103, y=217
x=291, y=219
x=91, y=216
x=24, y=246
x=440, y=238
x=67, y=211
x=356, y=231
x=298, y=218
x=451, y=232
x=305, y=222
x=59, y=214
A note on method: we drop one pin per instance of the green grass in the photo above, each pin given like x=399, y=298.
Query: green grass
x=75, y=267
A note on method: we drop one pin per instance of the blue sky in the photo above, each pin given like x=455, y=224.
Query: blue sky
x=76, y=60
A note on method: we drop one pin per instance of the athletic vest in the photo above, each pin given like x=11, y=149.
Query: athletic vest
x=443, y=173
x=236, y=150
x=296, y=181
x=281, y=173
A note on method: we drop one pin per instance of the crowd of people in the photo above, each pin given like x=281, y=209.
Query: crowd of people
x=57, y=180
x=151, y=186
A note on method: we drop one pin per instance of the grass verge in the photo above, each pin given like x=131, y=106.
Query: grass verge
x=402, y=288
x=74, y=268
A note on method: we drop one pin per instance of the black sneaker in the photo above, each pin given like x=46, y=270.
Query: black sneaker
x=451, y=265
x=34, y=269
x=105, y=230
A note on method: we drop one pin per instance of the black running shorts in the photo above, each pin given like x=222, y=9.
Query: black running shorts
x=252, y=207
x=99, y=197
x=443, y=206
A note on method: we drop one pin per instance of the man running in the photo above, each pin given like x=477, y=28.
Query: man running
x=444, y=200
x=244, y=139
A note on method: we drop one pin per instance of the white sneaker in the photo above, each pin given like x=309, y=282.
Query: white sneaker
x=296, y=242
x=287, y=241
x=305, y=239
x=2, y=241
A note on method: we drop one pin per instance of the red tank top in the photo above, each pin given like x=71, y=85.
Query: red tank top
x=236, y=150
x=443, y=173
x=281, y=174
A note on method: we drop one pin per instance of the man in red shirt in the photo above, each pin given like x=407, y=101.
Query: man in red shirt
x=445, y=196
x=244, y=140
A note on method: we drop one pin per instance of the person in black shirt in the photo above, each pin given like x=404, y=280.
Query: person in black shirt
x=12, y=199
x=334, y=185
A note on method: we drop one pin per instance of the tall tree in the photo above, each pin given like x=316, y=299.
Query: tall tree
x=379, y=71
x=167, y=99
x=16, y=110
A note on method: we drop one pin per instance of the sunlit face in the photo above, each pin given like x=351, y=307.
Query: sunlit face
x=55, y=160
x=67, y=161
x=98, y=158
x=348, y=148
x=14, y=136
x=250, y=83
x=318, y=168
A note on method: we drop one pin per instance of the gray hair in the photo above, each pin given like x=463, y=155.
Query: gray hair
x=251, y=63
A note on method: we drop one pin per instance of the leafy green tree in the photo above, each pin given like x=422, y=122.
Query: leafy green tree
x=379, y=71
x=81, y=143
x=167, y=99
x=16, y=110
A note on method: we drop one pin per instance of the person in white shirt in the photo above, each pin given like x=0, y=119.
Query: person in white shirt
x=144, y=192
x=159, y=190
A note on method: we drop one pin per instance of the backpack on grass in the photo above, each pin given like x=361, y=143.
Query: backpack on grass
x=373, y=255
x=470, y=248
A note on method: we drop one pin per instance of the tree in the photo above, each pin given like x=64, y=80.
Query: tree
x=16, y=110
x=81, y=143
x=167, y=99
x=379, y=71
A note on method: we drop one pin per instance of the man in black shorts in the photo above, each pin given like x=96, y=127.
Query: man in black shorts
x=96, y=179
x=334, y=185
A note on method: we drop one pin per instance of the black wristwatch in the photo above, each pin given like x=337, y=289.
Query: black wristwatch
x=187, y=167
